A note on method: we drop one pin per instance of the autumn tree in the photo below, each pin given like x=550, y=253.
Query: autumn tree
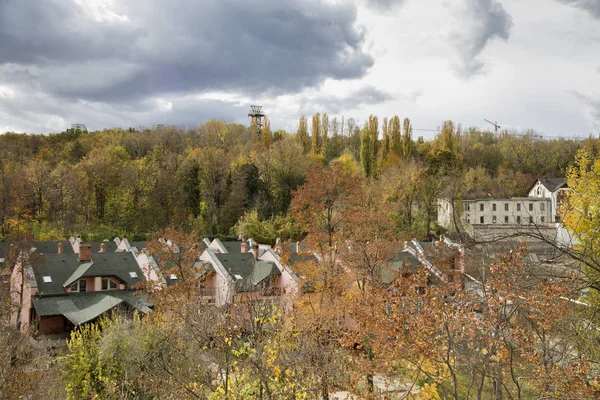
x=407, y=145
x=395, y=132
x=302, y=134
x=578, y=212
x=266, y=133
x=316, y=133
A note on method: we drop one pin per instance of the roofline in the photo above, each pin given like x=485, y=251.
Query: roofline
x=287, y=269
x=540, y=180
x=220, y=266
x=221, y=245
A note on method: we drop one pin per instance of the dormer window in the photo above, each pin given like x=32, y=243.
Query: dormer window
x=173, y=277
x=79, y=286
x=108, y=284
x=133, y=274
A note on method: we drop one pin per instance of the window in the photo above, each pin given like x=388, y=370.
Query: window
x=79, y=286
x=47, y=279
x=494, y=219
x=480, y=206
x=542, y=206
x=530, y=206
x=481, y=220
x=506, y=219
x=494, y=207
x=531, y=220
x=505, y=206
x=542, y=219
x=467, y=207
x=108, y=284
x=518, y=206
x=539, y=191
x=133, y=274
x=519, y=220
x=468, y=220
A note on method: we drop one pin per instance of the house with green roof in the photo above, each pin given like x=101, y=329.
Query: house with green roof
x=62, y=289
x=246, y=271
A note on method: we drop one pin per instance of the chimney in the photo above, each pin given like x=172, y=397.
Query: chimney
x=297, y=247
x=60, y=248
x=102, y=247
x=85, y=252
x=244, y=245
x=255, y=251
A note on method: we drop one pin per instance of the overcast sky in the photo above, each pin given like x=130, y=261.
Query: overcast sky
x=107, y=63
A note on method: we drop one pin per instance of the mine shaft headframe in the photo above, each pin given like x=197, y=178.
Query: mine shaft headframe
x=256, y=114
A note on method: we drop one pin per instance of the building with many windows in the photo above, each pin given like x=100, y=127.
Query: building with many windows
x=488, y=211
x=539, y=208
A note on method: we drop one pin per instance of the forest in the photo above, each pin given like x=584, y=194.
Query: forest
x=352, y=193
x=222, y=178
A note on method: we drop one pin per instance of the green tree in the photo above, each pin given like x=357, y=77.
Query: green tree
x=407, y=145
x=302, y=134
x=316, y=133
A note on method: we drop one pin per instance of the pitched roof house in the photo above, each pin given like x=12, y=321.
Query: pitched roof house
x=246, y=271
x=66, y=285
x=554, y=189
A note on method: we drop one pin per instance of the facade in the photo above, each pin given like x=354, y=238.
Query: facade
x=511, y=211
x=555, y=189
x=539, y=208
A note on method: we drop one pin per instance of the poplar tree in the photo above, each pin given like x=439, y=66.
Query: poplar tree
x=386, y=136
x=407, y=145
x=302, y=134
x=266, y=133
x=374, y=136
x=366, y=151
x=395, y=135
x=316, y=131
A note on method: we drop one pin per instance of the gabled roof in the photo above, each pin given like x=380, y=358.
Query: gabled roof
x=52, y=247
x=233, y=247
x=111, y=246
x=552, y=184
x=66, y=268
x=245, y=271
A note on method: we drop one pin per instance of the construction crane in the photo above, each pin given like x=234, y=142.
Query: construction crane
x=496, y=126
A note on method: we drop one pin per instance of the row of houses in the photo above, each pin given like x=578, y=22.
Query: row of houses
x=59, y=285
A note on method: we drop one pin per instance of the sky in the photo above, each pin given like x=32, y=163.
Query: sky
x=531, y=64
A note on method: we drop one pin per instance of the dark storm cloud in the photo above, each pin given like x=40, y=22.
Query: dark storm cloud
x=272, y=47
x=479, y=22
x=591, y=6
